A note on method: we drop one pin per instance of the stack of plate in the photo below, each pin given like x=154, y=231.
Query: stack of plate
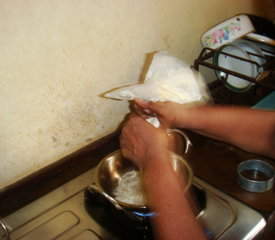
x=265, y=43
x=244, y=36
x=251, y=66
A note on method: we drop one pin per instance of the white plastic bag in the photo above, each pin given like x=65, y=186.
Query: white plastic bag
x=168, y=79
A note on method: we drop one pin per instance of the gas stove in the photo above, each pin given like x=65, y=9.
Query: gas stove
x=73, y=213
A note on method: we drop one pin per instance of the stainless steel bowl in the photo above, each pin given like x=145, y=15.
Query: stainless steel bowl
x=111, y=169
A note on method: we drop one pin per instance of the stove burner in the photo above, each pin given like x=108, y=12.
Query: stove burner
x=115, y=221
x=119, y=224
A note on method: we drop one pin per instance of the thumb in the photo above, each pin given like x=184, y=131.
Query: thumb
x=141, y=102
x=149, y=107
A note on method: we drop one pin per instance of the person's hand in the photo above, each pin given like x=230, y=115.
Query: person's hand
x=141, y=142
x=166, y=112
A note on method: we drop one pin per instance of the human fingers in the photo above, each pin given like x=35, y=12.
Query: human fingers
x=166, y=112
x=125, y=147
x=135, y=139
x=152, y=108
x=143, y=112
x=147, y=107
x=127, y=138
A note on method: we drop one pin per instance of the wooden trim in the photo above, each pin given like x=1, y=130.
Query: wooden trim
x=47, y=179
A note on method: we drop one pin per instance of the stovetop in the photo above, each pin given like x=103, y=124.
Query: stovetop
x=72, y=213
x=120, y=224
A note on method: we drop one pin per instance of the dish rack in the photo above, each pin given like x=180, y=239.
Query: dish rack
x=263, y=83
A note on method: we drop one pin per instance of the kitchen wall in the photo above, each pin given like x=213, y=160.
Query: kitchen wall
x=56, y=57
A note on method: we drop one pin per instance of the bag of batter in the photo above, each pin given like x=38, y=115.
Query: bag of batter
x=168, y=79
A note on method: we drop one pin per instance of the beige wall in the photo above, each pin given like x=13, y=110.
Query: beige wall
x=56, y=57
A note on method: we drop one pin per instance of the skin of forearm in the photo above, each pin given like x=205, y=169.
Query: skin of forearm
x=174, y=217
x=242, y=127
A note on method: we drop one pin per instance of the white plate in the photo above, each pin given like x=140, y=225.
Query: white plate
x=252, y=49
x=267, y=47
x=261, y=38
x=230, y=63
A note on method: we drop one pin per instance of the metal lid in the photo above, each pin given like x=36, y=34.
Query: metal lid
x=260, y=175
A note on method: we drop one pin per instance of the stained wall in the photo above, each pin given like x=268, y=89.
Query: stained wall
x=57, y=57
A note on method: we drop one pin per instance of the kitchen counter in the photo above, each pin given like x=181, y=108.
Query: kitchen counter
x=212, y=161
x=216, y=163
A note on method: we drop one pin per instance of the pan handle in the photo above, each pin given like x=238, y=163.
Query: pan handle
x=185, y=137
x=4, y=230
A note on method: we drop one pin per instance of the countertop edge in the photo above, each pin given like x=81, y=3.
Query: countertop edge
x=30, y=188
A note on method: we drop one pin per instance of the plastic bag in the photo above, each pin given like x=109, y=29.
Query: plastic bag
x=168, y=79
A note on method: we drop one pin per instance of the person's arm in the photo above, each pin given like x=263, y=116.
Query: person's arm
x=251, y=130
x=147, y=147
x=174, y=217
